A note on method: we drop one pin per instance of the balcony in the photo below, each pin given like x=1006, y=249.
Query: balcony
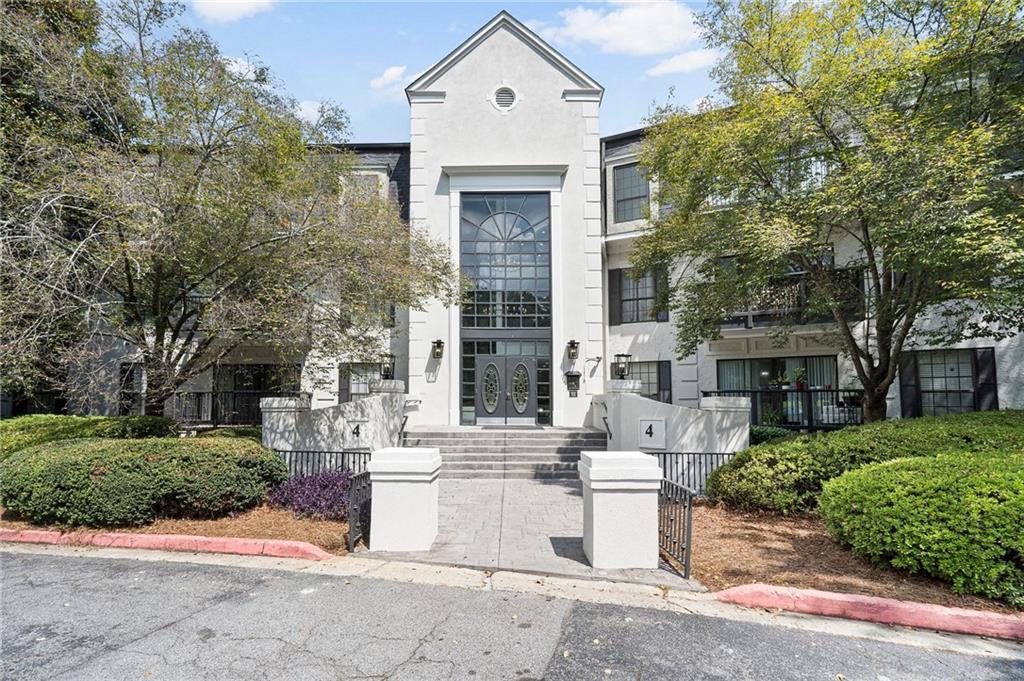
x=787, y=301
x=236, y=408
x=811, y=409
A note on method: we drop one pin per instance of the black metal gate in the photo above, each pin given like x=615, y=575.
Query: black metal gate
x=675, y=520
x=360, y=496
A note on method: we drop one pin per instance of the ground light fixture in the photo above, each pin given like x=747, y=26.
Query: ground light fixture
x=572, y=349
x=387, y=366
x=437, y=349
x=621, y=365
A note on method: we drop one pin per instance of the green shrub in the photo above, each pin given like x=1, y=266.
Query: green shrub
x=762, y=434
x=958, y=517
x=130, y=482
x=250, y=432
x=27, y=431
x=786, y=476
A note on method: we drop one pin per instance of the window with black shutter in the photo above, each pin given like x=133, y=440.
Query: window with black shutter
x=936, y=382
x=636, y=299
x=630, y=192
x=655, y=379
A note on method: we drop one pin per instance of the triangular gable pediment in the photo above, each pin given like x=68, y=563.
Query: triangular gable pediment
x=584, y=84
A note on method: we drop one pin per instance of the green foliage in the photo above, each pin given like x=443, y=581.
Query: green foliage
x=206, y=202
x=761, y=434
x=131, y=482
x=889, y=130
x=958, y=517
x=249, y=432
x=786, y=477
x=28, y=431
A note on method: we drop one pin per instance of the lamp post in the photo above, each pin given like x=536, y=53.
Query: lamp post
x=621, y=365
x=387, y=367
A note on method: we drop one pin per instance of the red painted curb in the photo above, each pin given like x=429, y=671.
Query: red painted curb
x=278, y=548
x=876, y=609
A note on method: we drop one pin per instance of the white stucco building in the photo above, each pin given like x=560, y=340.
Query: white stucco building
x=507, y=166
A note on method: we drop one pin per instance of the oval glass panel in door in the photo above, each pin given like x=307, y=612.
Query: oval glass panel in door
x=520, y=388
x=490, y=388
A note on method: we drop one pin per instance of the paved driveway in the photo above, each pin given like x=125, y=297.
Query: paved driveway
x=86, y=618
x=527, y=525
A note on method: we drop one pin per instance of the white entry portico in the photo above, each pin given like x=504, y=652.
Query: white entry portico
x=498, y=126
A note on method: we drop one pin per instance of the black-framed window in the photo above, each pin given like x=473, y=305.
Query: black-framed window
x=635, y=299
x=655, y=379
x=354, y=380
x=630, y=192
x=505, y=248
x=936, y=382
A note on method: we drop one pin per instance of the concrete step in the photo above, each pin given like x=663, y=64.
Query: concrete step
x=508, y=465
x=511, y=475
x=497, y=450
x=495, y=442
x=511, y=458
x=507, y=434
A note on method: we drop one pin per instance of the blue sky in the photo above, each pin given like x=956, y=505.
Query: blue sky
x=362, y=55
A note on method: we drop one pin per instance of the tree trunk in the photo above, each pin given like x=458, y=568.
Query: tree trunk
x=157, y=389
x=875, y=406
x=153, y=405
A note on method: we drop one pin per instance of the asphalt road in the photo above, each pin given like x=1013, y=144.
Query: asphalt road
x=67, y=617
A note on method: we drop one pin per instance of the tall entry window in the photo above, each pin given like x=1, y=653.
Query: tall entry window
x=505, y=252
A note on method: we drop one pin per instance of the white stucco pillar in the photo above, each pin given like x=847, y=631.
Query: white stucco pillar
x=278, y=419
x=620, y=509
x=403, y=514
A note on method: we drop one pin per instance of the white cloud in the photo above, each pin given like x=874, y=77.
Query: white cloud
x=240, y=67
x=225, y=11
x=635, y=29
x=686, y=62
x=391, y=75
x=308, y=110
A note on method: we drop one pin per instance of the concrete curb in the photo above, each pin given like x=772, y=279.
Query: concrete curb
x=876, y=609
x=278, y=548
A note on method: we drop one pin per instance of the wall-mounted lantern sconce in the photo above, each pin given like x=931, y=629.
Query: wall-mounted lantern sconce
x=621, y=366
x=387, y=367
x=572, y=349
x=437, y=349
x=572, y=382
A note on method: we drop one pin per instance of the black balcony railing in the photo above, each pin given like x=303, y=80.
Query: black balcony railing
x=788, y=301
x=234, y=408
x=810, y=409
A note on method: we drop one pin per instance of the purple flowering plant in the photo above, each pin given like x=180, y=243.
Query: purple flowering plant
x=323, y=496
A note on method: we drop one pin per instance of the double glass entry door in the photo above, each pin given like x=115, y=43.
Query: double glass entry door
x=506, y=390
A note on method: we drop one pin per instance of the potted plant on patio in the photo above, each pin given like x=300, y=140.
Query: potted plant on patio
x=800, y=378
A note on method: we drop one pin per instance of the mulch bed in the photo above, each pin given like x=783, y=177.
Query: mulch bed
x=732, y=547
x=262, y=522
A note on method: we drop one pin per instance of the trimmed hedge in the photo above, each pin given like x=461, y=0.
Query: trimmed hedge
x=786, y=476
x=761, y=434
x=957, y=517
x=102, y=482
x=27, y=431
x=249, y=432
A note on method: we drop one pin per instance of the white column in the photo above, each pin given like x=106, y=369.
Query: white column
x=620, y=509
x=279, y=415
x=403, y=514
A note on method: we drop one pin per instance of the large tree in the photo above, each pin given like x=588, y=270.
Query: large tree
x=890, y=129
x=207, y=216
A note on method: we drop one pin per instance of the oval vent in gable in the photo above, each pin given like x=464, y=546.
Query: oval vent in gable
x=504, y=98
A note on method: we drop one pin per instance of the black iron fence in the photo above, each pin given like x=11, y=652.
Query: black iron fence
x=689, y=470
x=313, y=462
x=809, y=409
x=359, y=499
x=675, y=524
x=225, y=408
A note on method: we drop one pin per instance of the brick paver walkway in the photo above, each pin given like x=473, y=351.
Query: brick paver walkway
x=527, y=525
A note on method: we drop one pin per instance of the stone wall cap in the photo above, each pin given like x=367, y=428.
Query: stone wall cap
x=619, y=460
x=415, y=461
